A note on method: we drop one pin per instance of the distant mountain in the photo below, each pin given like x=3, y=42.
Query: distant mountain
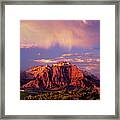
x=59, y=76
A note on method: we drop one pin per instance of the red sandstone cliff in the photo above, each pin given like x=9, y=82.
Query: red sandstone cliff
x=57, y=76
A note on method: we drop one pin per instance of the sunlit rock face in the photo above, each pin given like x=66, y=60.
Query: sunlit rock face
x=76, y=75
x=58, y=76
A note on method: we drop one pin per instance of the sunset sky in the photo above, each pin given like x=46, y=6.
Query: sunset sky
x=50, y=41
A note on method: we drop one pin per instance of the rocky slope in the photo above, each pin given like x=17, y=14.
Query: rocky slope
x=57, y=77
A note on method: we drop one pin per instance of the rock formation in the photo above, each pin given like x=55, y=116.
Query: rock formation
x=58, y=76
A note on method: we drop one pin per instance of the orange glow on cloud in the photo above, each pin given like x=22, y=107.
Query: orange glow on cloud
x=69, y=54
x=67, y=34
x=48, y=61
x=77, y=60
x=66, y=55
x=45, y=61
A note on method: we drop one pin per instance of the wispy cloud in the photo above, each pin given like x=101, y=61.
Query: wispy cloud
x=39, y=54
x=49, y=61
x=73, y=60
x=69, y=54
x=92, y=60
x=45, y=61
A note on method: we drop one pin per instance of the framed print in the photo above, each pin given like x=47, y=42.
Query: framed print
x=60, y=60
x=60, y=69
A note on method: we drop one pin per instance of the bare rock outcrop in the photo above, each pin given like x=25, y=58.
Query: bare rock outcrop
x=58, y=76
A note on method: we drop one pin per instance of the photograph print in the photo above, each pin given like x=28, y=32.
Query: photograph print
x=60, y=60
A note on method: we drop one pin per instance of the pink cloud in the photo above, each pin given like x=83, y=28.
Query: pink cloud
x=67, y=34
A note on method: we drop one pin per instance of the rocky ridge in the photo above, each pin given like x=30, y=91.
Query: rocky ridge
x=58, y=76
